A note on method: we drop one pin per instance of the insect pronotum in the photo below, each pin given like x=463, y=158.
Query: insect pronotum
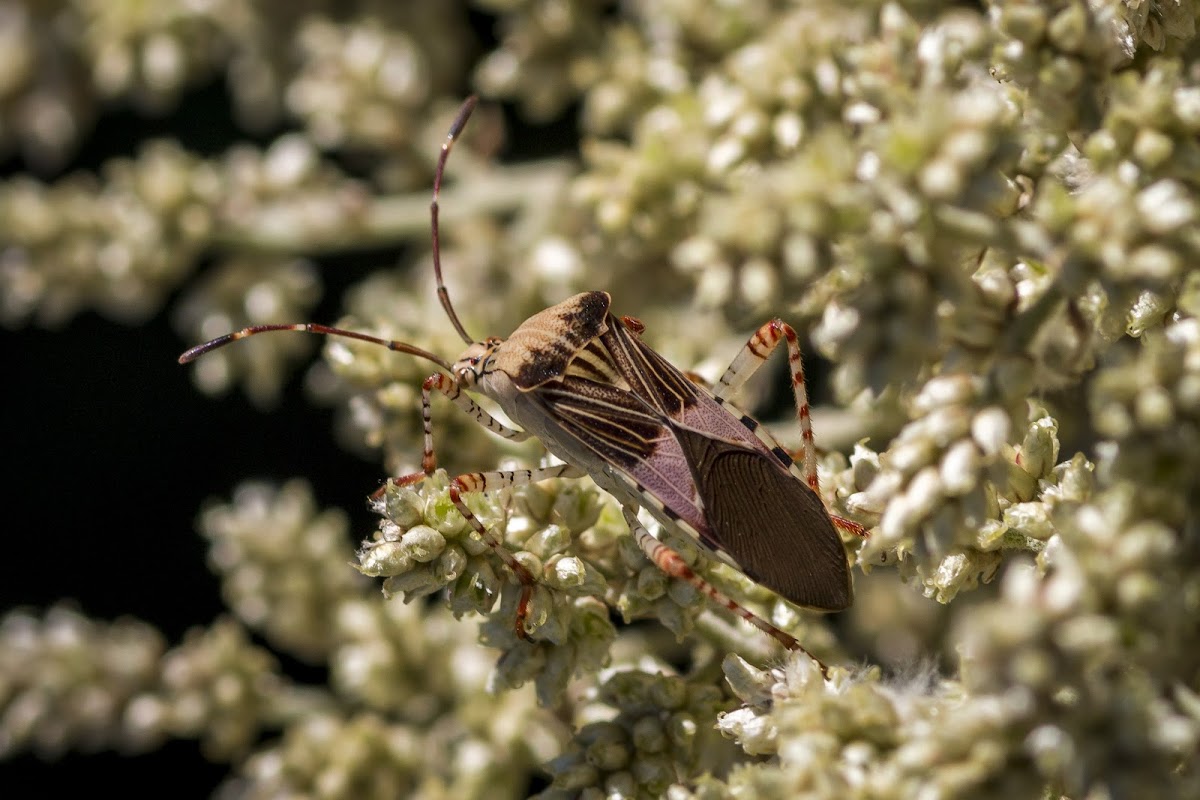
x=579, y=379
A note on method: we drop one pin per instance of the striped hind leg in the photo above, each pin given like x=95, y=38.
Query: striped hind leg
x=747, y=362
x=754, y=355
x=671, y=563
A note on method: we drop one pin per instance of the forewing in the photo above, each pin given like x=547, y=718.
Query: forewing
x=770, y=523
x=632, y=439
x=608, y=420
x=650, y=376
x=629, y=406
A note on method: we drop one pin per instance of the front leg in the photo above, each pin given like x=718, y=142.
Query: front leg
x=441, y=382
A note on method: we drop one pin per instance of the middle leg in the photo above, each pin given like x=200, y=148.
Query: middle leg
x=484, y=482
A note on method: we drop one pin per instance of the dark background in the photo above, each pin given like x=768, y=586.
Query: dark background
x=112, y=453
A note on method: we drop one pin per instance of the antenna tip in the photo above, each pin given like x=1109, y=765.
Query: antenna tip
x=200, y=349
x=460, y=121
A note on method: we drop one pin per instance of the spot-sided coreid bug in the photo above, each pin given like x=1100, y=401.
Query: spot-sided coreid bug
x=580, y=380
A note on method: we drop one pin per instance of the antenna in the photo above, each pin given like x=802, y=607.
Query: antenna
x=456, y=128
x=312, y=327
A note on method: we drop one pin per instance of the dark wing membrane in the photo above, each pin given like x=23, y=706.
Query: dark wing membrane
x=770, y=523
x=629, y=405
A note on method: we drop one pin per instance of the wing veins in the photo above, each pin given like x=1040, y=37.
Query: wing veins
x=652, y=377
x=594, y=414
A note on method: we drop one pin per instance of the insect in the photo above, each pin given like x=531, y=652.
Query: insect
x=579, y=379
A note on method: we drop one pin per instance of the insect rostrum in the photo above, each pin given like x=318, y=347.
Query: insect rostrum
x=580, y=380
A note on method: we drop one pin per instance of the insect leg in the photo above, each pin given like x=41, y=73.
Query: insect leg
x=446, y=385
x=506, y=479
x=443, y=383
x=754, y=355
x=493, y=481
x=849, y=526
x=671, y=563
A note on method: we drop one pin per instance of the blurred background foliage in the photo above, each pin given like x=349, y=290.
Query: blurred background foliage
x=982, y=218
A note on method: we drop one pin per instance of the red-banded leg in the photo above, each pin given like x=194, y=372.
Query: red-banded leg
x=671, y=563
x=441, y=382
x=495, y=481
x=754, y=355
x=746, y=363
